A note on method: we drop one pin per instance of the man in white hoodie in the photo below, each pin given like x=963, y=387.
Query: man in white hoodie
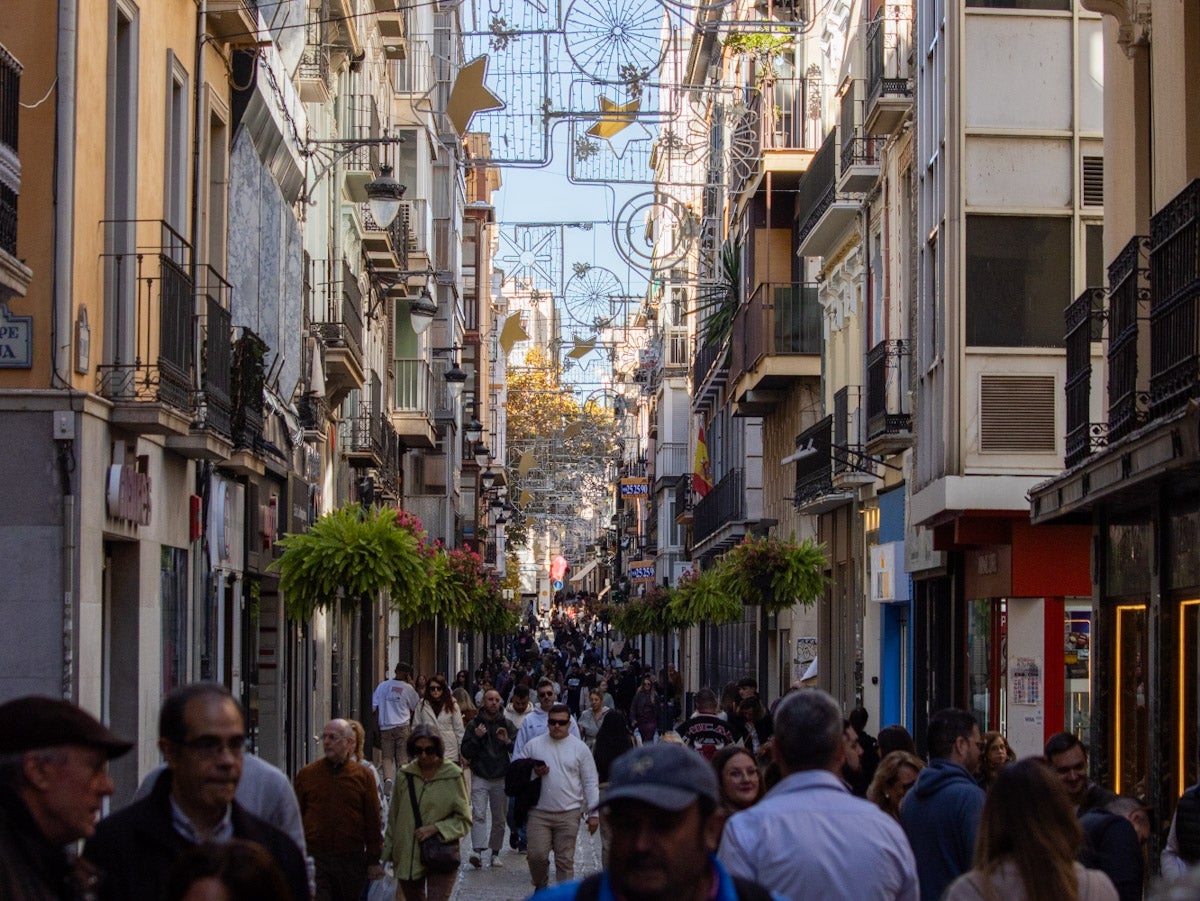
x=570, y=791
x=535, y=724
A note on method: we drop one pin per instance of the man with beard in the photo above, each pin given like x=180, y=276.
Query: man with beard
x=661, y=805
x=202, y=736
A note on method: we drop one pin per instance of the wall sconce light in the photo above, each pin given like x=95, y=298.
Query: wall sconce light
x=483, y=455
x=487, y=479
x=421, y=310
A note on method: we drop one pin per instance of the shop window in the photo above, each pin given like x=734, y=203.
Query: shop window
x=1131, y=736
x=986, y=676
x=1077, y=657
x=1188, y=694
x=1018, y=280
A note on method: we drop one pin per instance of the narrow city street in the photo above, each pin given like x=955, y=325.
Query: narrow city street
x=510, y=882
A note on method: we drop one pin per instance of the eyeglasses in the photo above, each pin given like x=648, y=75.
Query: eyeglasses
x=559, y=722
x=427, y=751
x=545, y=694
x=435, y=688
x=212, y=745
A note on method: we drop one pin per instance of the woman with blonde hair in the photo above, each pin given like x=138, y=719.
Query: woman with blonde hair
x=894, y=776
x=359, y=754
x=439, y=710
x=1027, y=843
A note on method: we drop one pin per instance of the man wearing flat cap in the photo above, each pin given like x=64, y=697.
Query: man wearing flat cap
x=661, y=804
x=53, y=781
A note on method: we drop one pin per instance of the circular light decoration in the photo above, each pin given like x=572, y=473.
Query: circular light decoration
x=592, y=297
x=634, y=241
x=615, y=41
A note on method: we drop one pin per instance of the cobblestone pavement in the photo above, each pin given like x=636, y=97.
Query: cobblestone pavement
x=510, y=882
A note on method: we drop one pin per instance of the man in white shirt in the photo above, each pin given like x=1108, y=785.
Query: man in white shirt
x=570, y=791
x=394, y=703
x=535, y=723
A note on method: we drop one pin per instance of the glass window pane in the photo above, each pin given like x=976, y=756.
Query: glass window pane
x=1020, y=4
x=1132, y=736
x=1019, y=280
x=1188, y=699
x=1077, y=654
x=979, y=660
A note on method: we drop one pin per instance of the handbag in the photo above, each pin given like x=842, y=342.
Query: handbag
x=437, y=856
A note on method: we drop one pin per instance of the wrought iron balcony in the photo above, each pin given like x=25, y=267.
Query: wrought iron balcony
x=1128, y=337
x=1085, y=326
x=709, y=368
x=823, y=211
x=312, y=74
x=889, y=94
x=216, y=360
x=861, y=153
x=1174, y=302
x=10, y=163
x=336, y=317
x=313, y=413
x=151, y=366
x=684, y=499
x=362, y=438
x=726, y=503
x=249, y=374
x=889, y=426
x=850, y=463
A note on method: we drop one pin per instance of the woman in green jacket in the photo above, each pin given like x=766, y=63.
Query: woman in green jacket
x=445, y=811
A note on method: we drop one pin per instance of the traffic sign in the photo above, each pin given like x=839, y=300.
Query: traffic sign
x=558, y=584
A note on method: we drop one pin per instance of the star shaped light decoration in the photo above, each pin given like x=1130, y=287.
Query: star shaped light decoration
x=614, y=125
x=470, y=95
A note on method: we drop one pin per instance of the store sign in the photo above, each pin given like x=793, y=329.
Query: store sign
x=889, y=581
x=16, y=340
x=127, y=487
x=635, y=487
x=641, y=571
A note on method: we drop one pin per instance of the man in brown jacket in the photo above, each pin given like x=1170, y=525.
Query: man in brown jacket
x=339, y=805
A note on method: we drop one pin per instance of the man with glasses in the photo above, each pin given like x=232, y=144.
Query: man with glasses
x=339, y=803
x=202, y=736
x=535, y=724
x=570, y=791
x=941, y=814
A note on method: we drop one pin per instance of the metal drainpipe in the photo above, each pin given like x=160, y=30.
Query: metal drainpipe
x=64, y=228
x=197, y=174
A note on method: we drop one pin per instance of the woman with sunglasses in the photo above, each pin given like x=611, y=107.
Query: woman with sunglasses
x=441, y=797
x=439, y=711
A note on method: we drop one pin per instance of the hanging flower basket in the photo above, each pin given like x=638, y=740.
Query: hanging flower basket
x=352, y=553
x=702, y=598
x=774, y=574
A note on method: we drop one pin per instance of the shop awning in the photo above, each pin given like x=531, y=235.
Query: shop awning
x=584, y=571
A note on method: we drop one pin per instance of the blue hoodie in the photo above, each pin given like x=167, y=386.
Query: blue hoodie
x=940, y=816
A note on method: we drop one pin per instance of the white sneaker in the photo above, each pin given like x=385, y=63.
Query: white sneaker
x=495, y=861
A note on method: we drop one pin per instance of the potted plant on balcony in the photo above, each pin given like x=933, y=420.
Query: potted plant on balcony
x=763, y=47
x=353, y=553
x=773, y=573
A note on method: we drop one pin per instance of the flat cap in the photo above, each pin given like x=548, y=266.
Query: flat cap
x=32, y=723
x=665, y=775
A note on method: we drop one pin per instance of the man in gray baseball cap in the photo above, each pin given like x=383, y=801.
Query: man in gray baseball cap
x=661, y=805
x=53, y=780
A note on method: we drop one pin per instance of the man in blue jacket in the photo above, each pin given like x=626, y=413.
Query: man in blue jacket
x=661, y=803
x=941, y=813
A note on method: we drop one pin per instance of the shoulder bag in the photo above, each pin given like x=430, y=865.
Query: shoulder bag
x=437, y=856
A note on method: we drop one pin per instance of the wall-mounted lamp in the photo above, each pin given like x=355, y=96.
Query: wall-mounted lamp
x=421, y=310
x=473, y=430
x=482, y=455
x=456, y=376
x=383, y=197
x=487, y=479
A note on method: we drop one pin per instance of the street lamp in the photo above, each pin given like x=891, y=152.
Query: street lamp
x=487, y=479
x=473, y=429
x=456, y=377
x=383, y=197
x=421, y=310
x=482, y=455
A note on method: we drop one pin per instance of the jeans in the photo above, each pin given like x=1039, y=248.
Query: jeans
x=487, y=794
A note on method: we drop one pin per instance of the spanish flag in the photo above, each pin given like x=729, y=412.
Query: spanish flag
x=702, y=472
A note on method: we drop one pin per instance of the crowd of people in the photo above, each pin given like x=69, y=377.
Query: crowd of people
x=556, y=736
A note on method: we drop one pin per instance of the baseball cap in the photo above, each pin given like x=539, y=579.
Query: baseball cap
x=32, y=722
x=665, y=775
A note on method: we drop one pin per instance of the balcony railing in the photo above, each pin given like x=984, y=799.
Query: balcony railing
x=724, y=504
x=847, y=430
x=889, y=42
x=414, y=73
x=1174, y=298
x=708, y=357
x=777, y=320
x=313, y=412
x=1128, y=311
x=818, y=187
x=157, y=367
x=861, y=149
x=415, y=217
x=361, y=123
x=684, y=499
x=362, y=435
x=885, y=390
x=1084, y=326
x=675, y=348
x=249, y=374
x=10, y=166
x=670, y=461
x=397, y=233
x=337, y=317
x=216, y=361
